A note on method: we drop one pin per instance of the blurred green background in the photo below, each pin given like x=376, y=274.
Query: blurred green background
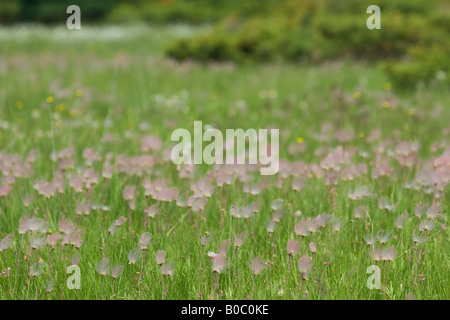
x=412, y=46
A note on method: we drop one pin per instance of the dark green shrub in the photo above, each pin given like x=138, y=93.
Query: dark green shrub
x=9, y=11
x=413, y=36
x=423, y=64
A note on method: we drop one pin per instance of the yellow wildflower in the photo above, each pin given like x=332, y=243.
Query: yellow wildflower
x=19, y=104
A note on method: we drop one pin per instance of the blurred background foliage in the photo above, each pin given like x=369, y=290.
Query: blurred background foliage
x=125, y=11
x=412, y=45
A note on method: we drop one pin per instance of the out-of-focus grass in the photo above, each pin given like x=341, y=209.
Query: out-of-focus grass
x=115, y=82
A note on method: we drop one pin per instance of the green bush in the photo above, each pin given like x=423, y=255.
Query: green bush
x=349, y=35
x=9, y=11
x=203, y=48
x=312, y=30
x=423, y=64
x=231, y=40
x=188, y=11
x=54, y=11
x=318, y=30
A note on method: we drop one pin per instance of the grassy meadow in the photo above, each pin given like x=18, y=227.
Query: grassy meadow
x=86, y=118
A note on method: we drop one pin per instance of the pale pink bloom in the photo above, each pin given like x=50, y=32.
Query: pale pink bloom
x=150, y=143
x=145, y=240
x=153, y=210
x=278, y=215
x=160, y=257
x=434, y=211
x=52, y=239
x=37, y=241
x=377, y=254
x=304, y=266
x=76, y=238
x=224, y=246
x=108, y=171
x=406, y=153
x=91, y=156
x=257, y=266
x=247, y=212
x=45, y=189
x=120, y=221
x=401, y=220
x=5, y=243
x=374, y=135
x=167, y=194
x=31, y=156
x=337, y=224
x=239, y=239
x=292, y=247
x=5, y=190
x=383, y=237
x=202, y=188
x=212, y=255
x=298, y=184
x=277, y=204
x=252, y=188
x=301, y=228
x=116, y=270
x=427, y=225
x=322, y=219
x=134, y=255
x=147, y=186
x=23, y=225
x=199, y=204
x=91, y=178
x=361, y=212
x=167, y=270
x=420, y=209
x=132, y=204
x=255, y=206
x=182, y=201
x=235, y=211
x=66, y=240
x=271, y=226
x=388, y=254
x=28, y=200
x=112, y=228
x=66, y=226
x=36, y=269
x=103, y=266
x=382, y=168
x=370, y=240
x=204, y=239
x=360, y=193
x=219, y=263
x=418, y=238
x=65, y=164
x=312, y=247
x=58, y=184
x=35, y=224
x=313, y=225
x=128, y=192
x=77, y=184
x=383, y=204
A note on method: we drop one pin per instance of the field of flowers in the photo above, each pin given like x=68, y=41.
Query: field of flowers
x=87, y=182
